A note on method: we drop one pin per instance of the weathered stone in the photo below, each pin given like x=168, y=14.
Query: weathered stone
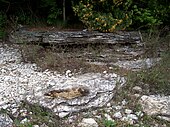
x=118, y=115
x=137, y=89
x=128, y=111
x=88, y=122
x=124, y=102
x=138, y=64
x=108, y=117
x=130, y=118
x=25, y=120
x=156, y=106
x=129, y=121
x=36, y=126
x=5, y=121
x=75, y=37
x=101, y=90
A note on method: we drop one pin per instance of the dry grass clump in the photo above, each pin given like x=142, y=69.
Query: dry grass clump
x=48, y=58
x=156, y=79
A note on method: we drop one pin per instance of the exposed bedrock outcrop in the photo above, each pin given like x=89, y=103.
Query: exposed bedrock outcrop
x=75, y=37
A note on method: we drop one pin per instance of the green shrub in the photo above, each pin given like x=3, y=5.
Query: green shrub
x=150, y=13
x=145, y=17
x=104, y=16
x=53, y=11
x=22, y=17
x=53, y=15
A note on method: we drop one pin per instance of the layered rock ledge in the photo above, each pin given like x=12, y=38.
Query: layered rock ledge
x=75, y=37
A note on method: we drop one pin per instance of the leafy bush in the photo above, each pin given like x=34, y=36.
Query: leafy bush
x=52, y=10
x=145, y=17
x=150, y=13
x=53, y=15
x=22, y=17
x=103, y=16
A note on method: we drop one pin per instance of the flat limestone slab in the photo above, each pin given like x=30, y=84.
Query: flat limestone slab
x=75, y=37
x=102, y=88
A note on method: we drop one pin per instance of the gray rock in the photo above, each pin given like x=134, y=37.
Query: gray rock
x=101, y=90
x=25, y=120
x=130, y=118
x=88, y=122
x=78, y=37
x=118, y=115
x=5, y=121
x=128, y=111
x=63, y=114
x=137, y=89
x=138, y=64
x=36, y=126
x=108, y=117
x=156, y=105
x=124, y=102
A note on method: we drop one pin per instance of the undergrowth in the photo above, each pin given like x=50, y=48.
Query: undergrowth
x=60, y=59
x=154, y=80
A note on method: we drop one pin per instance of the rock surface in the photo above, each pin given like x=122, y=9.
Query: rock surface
x=5, y=121
x=88, y=122
x=74, y=37
x=158, y=106
x=21, y=81
x=101, y=87
x=138, y=64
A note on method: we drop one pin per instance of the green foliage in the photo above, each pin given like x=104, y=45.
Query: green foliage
x=47, y=3
x=53, y=15
x=38, y=116
x=53, y=11
x=3, y=20
x=109, y=123
x=26, y=124
x=22, y=17
x=103, y=16
x=150, y=13
x=145, y=17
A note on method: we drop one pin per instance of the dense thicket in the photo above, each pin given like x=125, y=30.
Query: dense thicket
x=102, y=15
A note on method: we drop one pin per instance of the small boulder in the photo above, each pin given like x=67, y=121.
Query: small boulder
x=118, y=115
x=88, y=122
x=137, y=89
x=155, y=105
